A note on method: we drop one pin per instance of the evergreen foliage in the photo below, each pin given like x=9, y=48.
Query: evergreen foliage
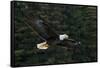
x=79, y=22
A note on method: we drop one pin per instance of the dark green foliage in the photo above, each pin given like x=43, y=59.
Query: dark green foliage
x=79, y=22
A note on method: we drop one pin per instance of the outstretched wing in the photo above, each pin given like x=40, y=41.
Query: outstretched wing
x=45, y=31
x=40, y=26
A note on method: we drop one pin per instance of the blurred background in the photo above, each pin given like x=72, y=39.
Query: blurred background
x=79, y=22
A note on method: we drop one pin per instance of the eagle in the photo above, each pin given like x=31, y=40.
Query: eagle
x=47, y=34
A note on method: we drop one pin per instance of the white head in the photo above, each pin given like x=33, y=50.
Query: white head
x=63, y=36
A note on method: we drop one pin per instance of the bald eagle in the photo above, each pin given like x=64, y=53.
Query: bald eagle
x=48, y=34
